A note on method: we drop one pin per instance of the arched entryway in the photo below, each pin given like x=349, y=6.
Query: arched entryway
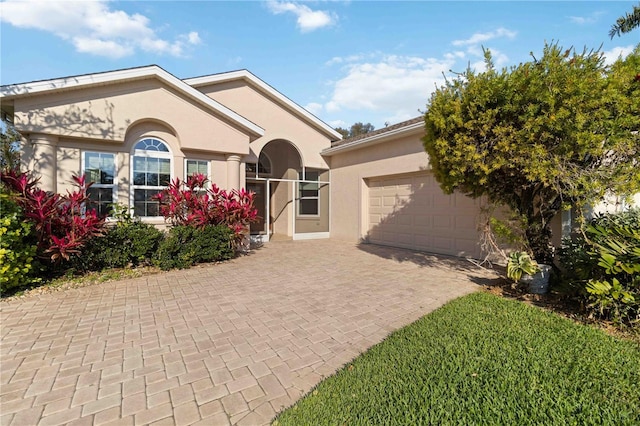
x=292, y=200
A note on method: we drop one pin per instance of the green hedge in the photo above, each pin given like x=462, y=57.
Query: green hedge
x=185, y=246
x=127, y=243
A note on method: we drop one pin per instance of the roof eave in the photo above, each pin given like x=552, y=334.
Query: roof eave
x=373, y=140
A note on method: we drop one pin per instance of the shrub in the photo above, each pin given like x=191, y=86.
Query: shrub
x=62, y=223
x=124, y=244
x=191, y=203
x=602, y=266
x=185, y=246
x=18, y=265
x=614, y=288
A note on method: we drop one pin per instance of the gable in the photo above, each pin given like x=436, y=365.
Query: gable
x=281, y=120
x=217, y=84
x=105, y=112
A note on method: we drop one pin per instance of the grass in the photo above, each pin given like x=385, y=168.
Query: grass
x=482, y=360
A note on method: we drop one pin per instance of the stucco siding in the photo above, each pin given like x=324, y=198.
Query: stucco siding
x=278, y=122
x=351, y=168
x=107, y=112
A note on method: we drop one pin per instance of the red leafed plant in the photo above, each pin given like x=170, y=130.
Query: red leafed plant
x=191, y=203
x=63, y=223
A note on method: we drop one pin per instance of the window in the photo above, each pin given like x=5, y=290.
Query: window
x=150, y=174
x=309, y=195
x=100, y=168
x=262, y=167
x=197, y=166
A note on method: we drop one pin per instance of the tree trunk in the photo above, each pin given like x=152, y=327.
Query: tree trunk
x=539, y=239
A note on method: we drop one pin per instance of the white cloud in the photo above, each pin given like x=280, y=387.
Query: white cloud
x=93, y=27
x=583, y=20
x=610, y=56
x=314, y=108
x=499, y=60
x=474, y=48
x=394, y=86
x=308, y=19
x=479, y=38
x=194, y=38
x=235, y=61
x=108, y=48
x=338, y=123
x=346, y=59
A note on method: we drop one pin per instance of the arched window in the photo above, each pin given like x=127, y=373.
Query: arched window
x=150, y=173
x=262, y=167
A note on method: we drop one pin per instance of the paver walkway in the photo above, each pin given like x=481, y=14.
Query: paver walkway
x=216, y=344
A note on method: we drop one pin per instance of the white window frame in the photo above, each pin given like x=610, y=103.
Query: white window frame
x=300, y=198
x=258, y=174
x=148, y=154
x=209, y=177
x=114, y=185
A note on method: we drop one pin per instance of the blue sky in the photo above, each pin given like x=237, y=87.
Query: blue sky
x=345, y=61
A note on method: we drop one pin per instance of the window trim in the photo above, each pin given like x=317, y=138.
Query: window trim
x=258, y=174
x=147, y=154
x=300, y=197
x=114, y=185
x=209, y=177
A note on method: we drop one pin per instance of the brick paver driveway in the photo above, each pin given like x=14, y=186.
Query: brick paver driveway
x=216, y=344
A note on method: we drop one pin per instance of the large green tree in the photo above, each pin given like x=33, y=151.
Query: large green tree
x=626, y=23
x=547, y=134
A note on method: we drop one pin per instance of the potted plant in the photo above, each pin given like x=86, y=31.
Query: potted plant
x=522, y=268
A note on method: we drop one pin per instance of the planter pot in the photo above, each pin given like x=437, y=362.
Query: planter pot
x=539, y=282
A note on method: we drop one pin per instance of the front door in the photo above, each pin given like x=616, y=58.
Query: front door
x=259, y=203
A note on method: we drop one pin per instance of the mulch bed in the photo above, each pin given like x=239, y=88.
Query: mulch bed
x=555, y=302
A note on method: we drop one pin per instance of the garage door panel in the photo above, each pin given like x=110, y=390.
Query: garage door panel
x=413, y=212
x=441, y=221
x=443, y=243
x=389, y=201
x=465, y=223
x=422, y=220
x=405, y=220
x=405, y=239
x=375, y=219
x=461, y=201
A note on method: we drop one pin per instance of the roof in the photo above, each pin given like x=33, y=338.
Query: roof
x=376, y=136
x=266, y=88
x=12, y=91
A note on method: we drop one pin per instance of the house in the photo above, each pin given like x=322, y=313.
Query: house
x=131, y=131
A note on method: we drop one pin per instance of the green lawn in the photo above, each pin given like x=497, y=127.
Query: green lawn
x=483, y=360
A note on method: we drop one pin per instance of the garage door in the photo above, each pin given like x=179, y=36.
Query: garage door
x=411, y=211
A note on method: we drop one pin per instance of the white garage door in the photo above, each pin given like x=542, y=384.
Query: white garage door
x=411, y=211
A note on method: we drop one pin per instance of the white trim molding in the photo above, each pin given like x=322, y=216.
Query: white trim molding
x=311, y=236
x=375, y=139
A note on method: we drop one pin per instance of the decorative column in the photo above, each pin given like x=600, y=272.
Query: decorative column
x=233, y=171
x=42, y=160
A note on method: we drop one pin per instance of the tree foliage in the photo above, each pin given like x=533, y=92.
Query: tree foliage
x=356, y=129
x=626, y=23
x=550, y=133
x=9, y=150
